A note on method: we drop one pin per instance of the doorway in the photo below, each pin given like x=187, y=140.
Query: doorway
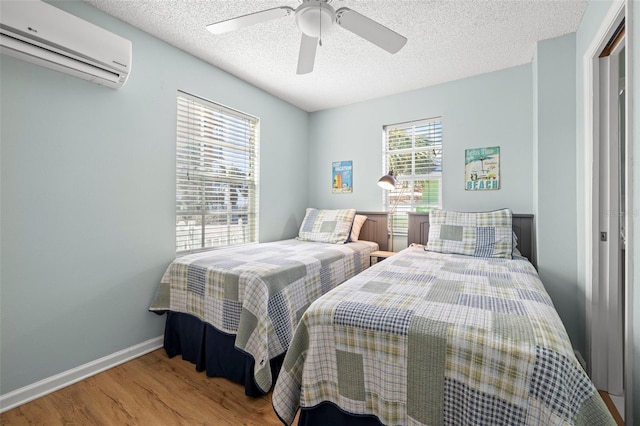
x=607, y=197
x=608, y=353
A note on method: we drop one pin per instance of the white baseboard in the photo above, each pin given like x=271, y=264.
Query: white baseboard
x=51, y=384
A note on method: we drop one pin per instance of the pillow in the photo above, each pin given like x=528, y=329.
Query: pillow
x=516, y=252
x=482, y=234
x=358, y=221
x=327, y=226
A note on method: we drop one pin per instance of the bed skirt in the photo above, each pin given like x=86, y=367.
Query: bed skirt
x=212, y=351
x=327, y=413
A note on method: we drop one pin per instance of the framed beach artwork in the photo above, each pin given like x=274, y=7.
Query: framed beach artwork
x=482, y=168
x=342, y=177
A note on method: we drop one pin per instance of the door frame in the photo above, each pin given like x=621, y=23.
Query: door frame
x=612, y=277
x=595, y=314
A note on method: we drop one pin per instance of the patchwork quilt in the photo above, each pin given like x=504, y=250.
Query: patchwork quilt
x=427, y=338
x=259, y=292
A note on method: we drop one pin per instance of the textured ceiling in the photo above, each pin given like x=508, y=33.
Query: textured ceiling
x=447, y=40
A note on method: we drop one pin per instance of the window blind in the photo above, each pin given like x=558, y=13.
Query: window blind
x=216, y=175
x=413, y=151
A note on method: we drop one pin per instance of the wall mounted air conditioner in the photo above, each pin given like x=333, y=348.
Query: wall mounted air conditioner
x=45, y=35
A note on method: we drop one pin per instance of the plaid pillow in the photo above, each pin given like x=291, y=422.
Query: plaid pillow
x=483, y=234
x=327, y=226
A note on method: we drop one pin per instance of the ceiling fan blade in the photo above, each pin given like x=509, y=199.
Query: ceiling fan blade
x=248, y=20
x=307, y=56
x=370, y=30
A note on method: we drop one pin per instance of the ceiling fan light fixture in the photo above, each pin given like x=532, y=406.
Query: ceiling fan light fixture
x=315, y=18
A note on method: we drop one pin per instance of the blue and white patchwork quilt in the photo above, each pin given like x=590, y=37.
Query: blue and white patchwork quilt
x=426, y=338
x=259, y=292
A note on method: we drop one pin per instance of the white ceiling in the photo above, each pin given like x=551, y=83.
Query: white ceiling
x=447, y=40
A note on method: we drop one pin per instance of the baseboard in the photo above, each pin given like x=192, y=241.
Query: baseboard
x=69, y=377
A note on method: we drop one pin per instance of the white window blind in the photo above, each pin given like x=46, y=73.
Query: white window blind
x=216, y=175
x=413, y=151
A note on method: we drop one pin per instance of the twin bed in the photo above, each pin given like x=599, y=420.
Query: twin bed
x=232, y=312
x=457, y=330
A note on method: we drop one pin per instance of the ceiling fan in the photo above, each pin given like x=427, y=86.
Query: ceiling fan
x=313, y=18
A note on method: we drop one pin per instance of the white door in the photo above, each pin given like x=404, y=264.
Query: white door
x=607, y=197
x=608, y=351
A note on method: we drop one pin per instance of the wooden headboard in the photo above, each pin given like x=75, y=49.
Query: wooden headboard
x=522, y=226
x=375, y=229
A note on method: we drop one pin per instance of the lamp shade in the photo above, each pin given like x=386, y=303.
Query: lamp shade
x=387, y=182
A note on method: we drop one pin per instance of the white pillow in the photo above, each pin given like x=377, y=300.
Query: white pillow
x=358, y=221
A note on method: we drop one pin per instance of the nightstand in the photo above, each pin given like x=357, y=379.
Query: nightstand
x=378, y=255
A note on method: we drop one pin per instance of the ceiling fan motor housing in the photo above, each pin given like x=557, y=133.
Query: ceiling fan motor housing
x=314, y=17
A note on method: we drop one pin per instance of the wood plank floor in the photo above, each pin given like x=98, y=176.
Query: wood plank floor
x=154, y=390
x=150, y=390
x=612, y=408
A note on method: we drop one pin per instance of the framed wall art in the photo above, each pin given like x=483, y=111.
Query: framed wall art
x=482, y=168
x=342, y=177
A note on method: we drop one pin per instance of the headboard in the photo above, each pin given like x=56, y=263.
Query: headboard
x=522, y=226
x=375, y=229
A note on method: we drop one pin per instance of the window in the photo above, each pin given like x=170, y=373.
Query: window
x=413, y=151
x=216, y=175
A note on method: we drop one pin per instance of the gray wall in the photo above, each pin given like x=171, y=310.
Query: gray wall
x=591, y=21
x=488, y=110
x=555, y=179
x=590, y=24
x=88, y=198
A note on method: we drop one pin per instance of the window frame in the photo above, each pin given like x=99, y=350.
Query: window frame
x=217, y=175
x=407, y=182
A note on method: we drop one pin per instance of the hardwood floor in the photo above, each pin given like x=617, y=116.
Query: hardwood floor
x=612, y=408
x=153, y=390
x=150, y=390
